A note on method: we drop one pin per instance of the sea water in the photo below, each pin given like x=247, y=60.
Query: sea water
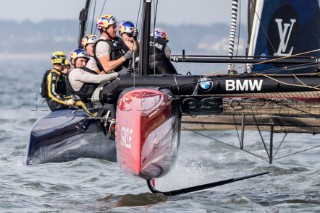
x=92, y=185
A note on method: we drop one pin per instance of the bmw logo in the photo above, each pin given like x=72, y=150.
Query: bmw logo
x=205, y=84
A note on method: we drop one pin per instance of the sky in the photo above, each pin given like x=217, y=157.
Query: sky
x=176, y=12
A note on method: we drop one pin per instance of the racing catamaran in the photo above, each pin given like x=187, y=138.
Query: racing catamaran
x=278, y=92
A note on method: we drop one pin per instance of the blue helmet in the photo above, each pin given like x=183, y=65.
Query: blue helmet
x=126, y=27
x=88, y=39
x=79, y=53
x=159, y=33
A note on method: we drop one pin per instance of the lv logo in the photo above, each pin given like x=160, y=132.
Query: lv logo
x=285, y=31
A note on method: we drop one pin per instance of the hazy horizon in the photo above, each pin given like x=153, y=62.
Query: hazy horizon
x=169, y=11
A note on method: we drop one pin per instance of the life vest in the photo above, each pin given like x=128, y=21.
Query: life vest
x=159, y=63
x=118, y=49
x=86, y=89
x=157, y=45
x=61, y=85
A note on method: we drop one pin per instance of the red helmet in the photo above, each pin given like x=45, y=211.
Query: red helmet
x=159, y=33
x=105, y=21
x=126, y=27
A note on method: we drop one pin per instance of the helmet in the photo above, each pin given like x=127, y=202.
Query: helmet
x=105, y=21
x=159, y=33
x=126, y=27
x=67, y=62
x=58, y=57
x=88, y=39
x=79, y=53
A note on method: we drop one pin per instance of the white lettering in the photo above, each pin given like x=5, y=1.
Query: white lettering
x=157, y=45
x=255, y=85
x=284, y=37
x=230, y=85
x=126, y=137
x=242, y=86
x=245, y=85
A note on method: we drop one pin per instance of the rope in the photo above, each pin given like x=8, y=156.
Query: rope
x=258, y=156
x=235, y=147
x=285, y=83
x=134, y=61
x=303, y=82
x=93, y=14
x=298, y=152
x=154, y=26
x=298, y=54
x=266, y=61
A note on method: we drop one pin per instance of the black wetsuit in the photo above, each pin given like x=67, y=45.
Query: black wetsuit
x=160, y=64
x=55, y=89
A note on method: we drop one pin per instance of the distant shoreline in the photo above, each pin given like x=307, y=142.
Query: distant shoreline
x=14, y=56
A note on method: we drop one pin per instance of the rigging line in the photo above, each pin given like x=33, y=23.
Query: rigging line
x=154, y=38
x=103, y=7
x=296, y=85
x=263, y=28
x=289, y=56
x=291, y=107
x=235, y=147
x=275, y=70
x=95, y=30
x=235, y=123
x=134, y=61
x=93, y=14
x=302, y=81
x=138, y=15
x=271, y=70
x=262, y=139
x=284, y=156
x=271, y=60
x=284, y=137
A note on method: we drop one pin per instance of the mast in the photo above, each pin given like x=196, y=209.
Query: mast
x=145, y=38
x=234, y=16
x=83, y=16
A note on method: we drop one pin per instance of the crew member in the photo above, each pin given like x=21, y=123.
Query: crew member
x=87, y=43
x=129, y=34
x=159, y=42
x=160, y=52
x=53, y=86
x=110, y=52
x=84, y=82
x=67, y=64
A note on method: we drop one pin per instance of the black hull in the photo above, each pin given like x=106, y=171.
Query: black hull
x=225, y=84
x=66, y=135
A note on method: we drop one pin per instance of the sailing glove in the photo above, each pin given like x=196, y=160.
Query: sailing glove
x=123, y=72
x=135, y=34
x=128, y=55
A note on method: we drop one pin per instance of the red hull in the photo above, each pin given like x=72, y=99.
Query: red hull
x=147, y=132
